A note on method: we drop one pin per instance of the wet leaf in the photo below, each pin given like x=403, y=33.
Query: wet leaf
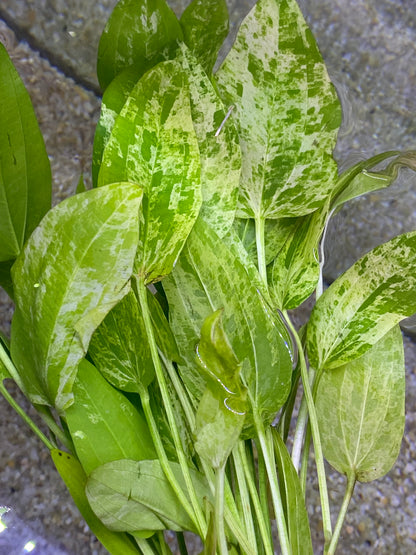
x=66, y=280
x=205, y=26
x=130, y=496
x=139, y=33
x=25, y=174
x=104, y=425
x=75, y=479
x=364, y=303
x=286, y=111
x=360, y=408
x=153, y=143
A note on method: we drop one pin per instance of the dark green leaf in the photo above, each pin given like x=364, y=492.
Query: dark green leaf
x=104, y=425
x=6, y=278
x=25, y=174
x=139, y=33
x=364, y=303
x=130, y=496
x=286, y=110
x=205, y=26
x=75, y=479
x=153, y=143
x=360, y=408
x=75, y=267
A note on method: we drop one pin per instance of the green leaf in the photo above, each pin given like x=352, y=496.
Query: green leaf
x=209, y=276
x=4, y=373
x=360, y=408
x=219, y=148
x=221, y=412
x=364, y=303
x=75, y=479
x=104, y=425
x=286, y=110
x=164, y=336
x=6, y=278
x=293, y=499
x=119, y=347
x=25, y=174
x=153, y=143
x=205, y=26
x=114, y=98
x=295, y=272
x=135, y=495
x=139, y=33
x=75, y=267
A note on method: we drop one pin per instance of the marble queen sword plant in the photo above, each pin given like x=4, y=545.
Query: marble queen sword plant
x=151, y=330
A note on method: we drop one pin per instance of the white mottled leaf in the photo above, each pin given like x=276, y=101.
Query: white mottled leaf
x=364, y=303
x=360, y=408
x=286, y=110
x=75, y=267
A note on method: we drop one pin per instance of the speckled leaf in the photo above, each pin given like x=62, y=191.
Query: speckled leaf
x=75, y=267
x=286, y=110
x=104, y=425
x=129, y=496
x=295, y=272
x=219, y=148
x=360, y=408
x=25, y=174
x=364, y=303
x=221, y=412
x=139, y=33
x=293, y=500
x=205, y=26
x=209, y=276
x=113, y=101
x=75, y=478
x=119, y=347
x=153, y=143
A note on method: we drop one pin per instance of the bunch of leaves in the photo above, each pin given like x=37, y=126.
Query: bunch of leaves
x=151, y=329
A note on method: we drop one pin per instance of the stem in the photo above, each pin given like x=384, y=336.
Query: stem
x=10, y=367
x=301, y=424
x=180, y=391
x=219, y=510
x=305, y=460
x=25, y=417
x=323, y=490
x=198, y=515
x=47, y=417
x=274, y=486
x=144, y=546
x=341, y=517
x=183, y=550
x=243, y=477
x=261, y=255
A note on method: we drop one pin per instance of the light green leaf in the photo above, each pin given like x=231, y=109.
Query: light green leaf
x=205, y=26
x=139, y=33
x=360, y=408
x=25, y=174
x=119, y=347
x=75, y=479
x=286, y=110
x=135, y=495
x=295, y=271
x=221, y=412
x=113, y=100
x=293, y=500
x=219, y=148
x=153, y=143
x=210, y=276
x=364, y=303
x=75, y=267
x=104, y=425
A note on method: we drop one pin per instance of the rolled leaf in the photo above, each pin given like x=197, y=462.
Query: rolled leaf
x=25, y=174
x=361, y=412
x=75, y=267
x=139, y=33
x=364, y=303
x=286, y=111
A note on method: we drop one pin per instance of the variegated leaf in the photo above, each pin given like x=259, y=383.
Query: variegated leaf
x=364, y=303
x=286, y=110
x=153, y=143
x=75, y=267
x=360, y=408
